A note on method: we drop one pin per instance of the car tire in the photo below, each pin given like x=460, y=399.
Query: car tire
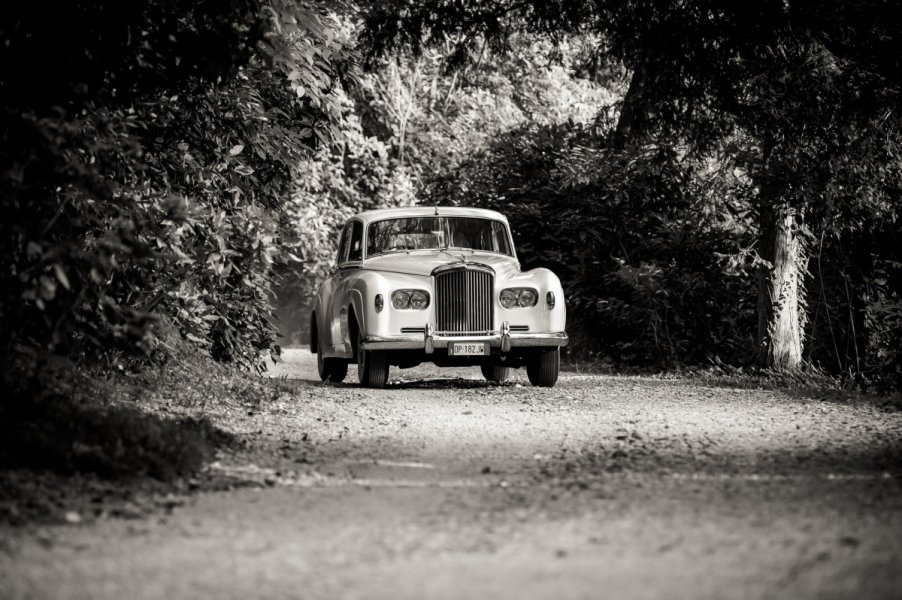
x=372, y=367
x=333, y=370
x=495, y=373
x=544, y=367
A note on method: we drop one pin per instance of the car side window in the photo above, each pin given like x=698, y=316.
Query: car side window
x=343, y=245
x=356, y=250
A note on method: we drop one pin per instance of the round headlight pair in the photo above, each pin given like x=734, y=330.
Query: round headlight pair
x=404, y=299
x=519, y=297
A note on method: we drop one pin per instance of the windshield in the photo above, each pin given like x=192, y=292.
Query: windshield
x=427, y=233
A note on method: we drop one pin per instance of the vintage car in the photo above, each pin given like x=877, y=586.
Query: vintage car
x=435, y=284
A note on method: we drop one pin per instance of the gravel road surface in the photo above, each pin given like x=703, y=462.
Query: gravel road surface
x=445, y=486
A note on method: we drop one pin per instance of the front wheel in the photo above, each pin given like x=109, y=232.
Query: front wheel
x=495, y=373
x=544, y=366
x=372, y=367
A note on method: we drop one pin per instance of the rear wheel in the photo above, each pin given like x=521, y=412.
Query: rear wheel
x=330, y=369
x=495, y=373
x=372, y=366
x=543, y=367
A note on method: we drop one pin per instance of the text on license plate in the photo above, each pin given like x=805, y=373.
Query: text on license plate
x=468, y=349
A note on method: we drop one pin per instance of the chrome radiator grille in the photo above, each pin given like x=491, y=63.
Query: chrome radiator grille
x=464, y=301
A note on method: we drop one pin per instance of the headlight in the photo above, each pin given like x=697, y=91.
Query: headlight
x=415, y=299
x=509, y=298
x=400, y=299
x=528, y=297
x=419, y=300
x=519, y=297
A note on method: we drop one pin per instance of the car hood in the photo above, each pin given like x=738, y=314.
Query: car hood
x=423, y=263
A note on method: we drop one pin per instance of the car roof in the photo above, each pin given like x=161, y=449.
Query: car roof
x=427, y=211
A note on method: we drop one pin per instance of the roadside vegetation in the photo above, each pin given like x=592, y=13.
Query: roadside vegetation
x=718, y=187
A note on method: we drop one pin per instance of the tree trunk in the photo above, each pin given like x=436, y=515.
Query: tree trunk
x=780, y=312
x=632, y=122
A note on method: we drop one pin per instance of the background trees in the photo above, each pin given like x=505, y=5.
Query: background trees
x=714, y=182
x=409, y=126
x=787, y=96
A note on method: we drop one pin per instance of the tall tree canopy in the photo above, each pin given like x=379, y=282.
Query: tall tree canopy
x=801, y=96
x=164, y=161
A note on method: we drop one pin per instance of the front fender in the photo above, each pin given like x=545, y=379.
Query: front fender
x=541, y=318
x=362, y=294
x=361, y=298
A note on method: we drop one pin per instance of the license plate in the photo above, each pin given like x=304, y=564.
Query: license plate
x=468, y=349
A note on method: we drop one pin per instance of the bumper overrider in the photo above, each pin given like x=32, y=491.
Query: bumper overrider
x=430, y=340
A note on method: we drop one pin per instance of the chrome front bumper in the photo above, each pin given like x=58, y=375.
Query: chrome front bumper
x=429, y=341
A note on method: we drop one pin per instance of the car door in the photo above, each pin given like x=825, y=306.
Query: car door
x=347, y=271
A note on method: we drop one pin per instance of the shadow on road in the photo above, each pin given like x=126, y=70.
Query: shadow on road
x=442, y=384
x=404, y=384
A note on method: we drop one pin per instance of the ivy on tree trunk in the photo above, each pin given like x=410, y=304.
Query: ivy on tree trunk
x=780, y=293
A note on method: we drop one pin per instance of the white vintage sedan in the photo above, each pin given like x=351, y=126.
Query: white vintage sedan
x=435, y=284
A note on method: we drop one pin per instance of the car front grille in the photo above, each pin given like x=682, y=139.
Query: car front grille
x=464, y=300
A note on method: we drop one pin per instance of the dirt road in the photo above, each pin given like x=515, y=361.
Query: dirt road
x=439, y=487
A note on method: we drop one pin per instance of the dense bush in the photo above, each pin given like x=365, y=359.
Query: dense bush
x=855, y=303
x=650, y=256
x=656, y=254
x=146, y=166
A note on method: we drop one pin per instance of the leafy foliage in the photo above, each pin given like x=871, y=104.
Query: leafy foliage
x=334, y=183
x=434, y=119
x=855, y=303
x=175, y=157
x=799, y=97
x=652, y=266
x=406, y=121
x=145, y=172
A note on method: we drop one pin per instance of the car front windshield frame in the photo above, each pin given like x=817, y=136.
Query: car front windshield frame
x=442, y=233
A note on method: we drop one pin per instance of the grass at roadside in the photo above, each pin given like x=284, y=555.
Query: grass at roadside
x=76, y=444
x=808, y=380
